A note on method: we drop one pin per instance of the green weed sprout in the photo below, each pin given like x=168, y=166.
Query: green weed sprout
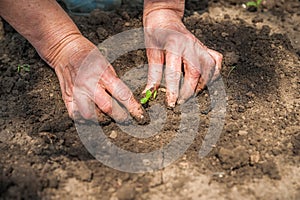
x=24, y=67
x=254, y=3
x=148, y=96
x=232, y=68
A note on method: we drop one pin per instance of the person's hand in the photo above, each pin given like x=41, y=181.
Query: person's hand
x=168, y=41
x=86, y=78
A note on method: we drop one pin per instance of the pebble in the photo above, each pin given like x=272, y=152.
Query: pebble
x=243, y=132
x=126, y=192
x=162, y=89
x=146, y=162
x=127, y=24
x=254, y=158
x=113, y=135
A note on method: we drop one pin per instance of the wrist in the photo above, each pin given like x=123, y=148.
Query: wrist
x=177, y=6
x=47, y=27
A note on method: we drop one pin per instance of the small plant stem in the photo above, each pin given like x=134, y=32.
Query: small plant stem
x=232, y=68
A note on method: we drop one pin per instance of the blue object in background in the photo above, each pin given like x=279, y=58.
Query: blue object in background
x=79, y=7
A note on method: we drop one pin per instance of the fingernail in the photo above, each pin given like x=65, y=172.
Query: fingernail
x=143, y=118
x=172, y=105
x=171, y=100
x=169, y=105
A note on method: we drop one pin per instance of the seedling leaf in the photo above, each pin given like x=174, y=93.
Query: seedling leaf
x=252, y=3
x=148, y=94
x=24, y=67
x=258, y=2
x=154, y=94
x=144, y=100
x=232, y=68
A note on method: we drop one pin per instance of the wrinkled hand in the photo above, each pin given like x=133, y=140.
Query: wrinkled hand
x=88, y=79
x=85, y=77
x=168, y=41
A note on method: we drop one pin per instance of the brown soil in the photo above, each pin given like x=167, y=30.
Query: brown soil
x=256, y=157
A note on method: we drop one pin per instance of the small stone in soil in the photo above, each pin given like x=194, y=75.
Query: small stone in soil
x=254, y=158
x=113, y=135
x=126, y=192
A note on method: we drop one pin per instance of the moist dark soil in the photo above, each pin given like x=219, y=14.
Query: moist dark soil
x=256, y=157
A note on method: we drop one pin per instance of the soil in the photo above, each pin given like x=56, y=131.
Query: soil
x=256, y=157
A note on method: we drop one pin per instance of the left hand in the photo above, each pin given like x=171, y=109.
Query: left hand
x=168, y=41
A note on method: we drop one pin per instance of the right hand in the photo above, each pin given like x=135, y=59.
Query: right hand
x=169, y=42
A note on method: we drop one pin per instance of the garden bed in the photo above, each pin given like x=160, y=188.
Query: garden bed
x=256, y=157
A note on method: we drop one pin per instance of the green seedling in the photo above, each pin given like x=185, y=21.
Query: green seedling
x=24, y=67
x=154, y=94
x=254, y=3
x=148, y=96
x=232, y=68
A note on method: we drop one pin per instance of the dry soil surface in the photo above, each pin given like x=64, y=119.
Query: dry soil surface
x=256, y=157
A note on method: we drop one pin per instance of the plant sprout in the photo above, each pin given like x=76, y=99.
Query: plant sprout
x=24, y=67
x=232, y=68
x=148, y=96
x=254, y=3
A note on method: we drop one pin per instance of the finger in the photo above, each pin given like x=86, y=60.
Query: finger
x=66, y=86
x=218, y=57
x=85, y=106
x=77, y=116
x=108, y=106
x=123, y=95
x=155, y=62
x=74, y=112
x=191, y=78
x=172, y=76
x=71, y=108
x=207, y=71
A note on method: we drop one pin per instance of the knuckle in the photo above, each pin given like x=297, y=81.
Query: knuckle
x=172, y=38
x=132, y=101
x=155, y=57
x=121, y=91
x=124, y=95
x=174, y=43
x=207, y=62
x=173, y=75
x=194, y=72
x=106, y=107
